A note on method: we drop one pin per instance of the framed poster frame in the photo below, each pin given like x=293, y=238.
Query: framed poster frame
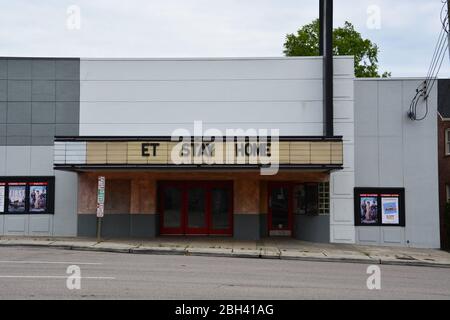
x=29, y=183
x=381, y=195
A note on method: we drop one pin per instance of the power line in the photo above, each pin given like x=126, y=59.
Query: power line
x=442, y=46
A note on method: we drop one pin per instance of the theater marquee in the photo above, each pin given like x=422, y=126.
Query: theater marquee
x=119, y=152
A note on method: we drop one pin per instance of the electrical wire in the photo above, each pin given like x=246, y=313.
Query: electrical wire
x=439, y=66
x=440, y=48
x=437, y=49
x=426, y=87
x=420, y=92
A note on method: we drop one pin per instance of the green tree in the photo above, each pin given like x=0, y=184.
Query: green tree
x=346, y=42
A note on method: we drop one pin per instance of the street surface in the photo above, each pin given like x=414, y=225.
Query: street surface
x=41, y=273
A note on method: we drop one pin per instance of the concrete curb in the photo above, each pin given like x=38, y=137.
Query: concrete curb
x=415, y=264
x=225, y=253
x=158, y=251
x=335, y=260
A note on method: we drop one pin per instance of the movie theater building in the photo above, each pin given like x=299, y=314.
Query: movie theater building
x=150, y=127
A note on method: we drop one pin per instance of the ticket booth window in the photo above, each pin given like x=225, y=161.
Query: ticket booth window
x=310, y=199
x=289, y=199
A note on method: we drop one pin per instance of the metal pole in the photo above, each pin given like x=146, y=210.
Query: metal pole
x=99, y=229
x=321, y=26
x=100, y=205
x=328, y=114
x=448, y=13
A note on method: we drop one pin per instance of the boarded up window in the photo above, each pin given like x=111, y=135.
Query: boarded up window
x=117, y=196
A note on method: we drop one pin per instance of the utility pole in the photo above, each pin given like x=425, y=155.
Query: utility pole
x=448, y=10
x=448, y=31
x=326, y=51
x=321, y=26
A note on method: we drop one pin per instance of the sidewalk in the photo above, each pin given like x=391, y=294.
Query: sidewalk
x=286, y=249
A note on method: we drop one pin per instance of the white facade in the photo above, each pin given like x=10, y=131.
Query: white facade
x=153, y=97
x=383, y=148
x=394, y=151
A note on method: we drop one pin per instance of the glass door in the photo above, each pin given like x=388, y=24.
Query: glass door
x=280, y=210
x=171, y=208
x=221, y=210
x=196, y=208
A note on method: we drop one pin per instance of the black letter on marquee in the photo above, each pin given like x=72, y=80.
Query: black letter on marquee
x=145, y=147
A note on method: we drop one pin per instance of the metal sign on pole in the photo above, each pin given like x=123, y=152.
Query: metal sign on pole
x=100, y=205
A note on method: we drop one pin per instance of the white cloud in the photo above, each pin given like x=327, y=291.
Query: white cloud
x=182, y=28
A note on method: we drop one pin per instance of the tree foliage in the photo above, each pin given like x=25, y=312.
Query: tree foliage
x=346, y=42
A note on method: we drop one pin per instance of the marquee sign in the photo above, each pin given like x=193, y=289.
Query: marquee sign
x=147, y=152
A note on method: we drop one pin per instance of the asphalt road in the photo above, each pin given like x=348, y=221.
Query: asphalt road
x=31, y=273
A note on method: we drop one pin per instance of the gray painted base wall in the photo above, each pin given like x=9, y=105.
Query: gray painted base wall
x=312, y=228
x=381, y=236
x=263, y=225
x=26, y=225
x=138, y=226
x=247, y=227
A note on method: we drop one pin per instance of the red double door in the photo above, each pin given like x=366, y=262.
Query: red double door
x=196, y=208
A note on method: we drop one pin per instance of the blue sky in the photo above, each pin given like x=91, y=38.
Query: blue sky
x=213, y=28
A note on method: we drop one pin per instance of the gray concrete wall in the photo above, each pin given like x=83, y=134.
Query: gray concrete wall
x=39, y=98
x=246, y=227
x=138, y=226
x=312, y=228
x=393, y=151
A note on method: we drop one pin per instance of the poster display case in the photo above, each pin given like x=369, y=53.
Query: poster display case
x=380, y=207
x=27, y=195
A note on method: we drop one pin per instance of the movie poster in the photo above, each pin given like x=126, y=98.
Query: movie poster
x=38, y=197
x=16, y=197
x=390, y=213
x=2, y=197
x=369, y=209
